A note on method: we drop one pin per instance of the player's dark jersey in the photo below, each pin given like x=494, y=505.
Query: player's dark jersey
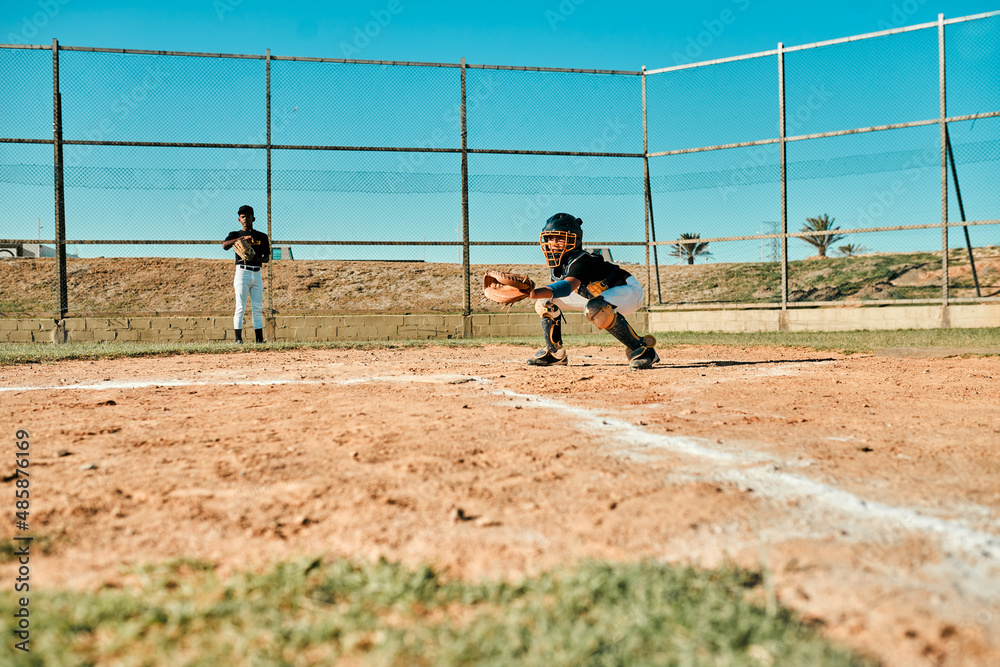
x=595, y=273
x=260, y=243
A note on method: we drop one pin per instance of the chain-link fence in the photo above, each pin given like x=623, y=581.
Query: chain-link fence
x=859, y=169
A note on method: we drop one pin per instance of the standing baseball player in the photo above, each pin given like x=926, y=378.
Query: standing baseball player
x=586, y=282
x=247, y=282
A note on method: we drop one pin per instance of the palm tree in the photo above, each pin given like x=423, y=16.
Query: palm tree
x=823, y=223
x=851, y=249
x=690, y=250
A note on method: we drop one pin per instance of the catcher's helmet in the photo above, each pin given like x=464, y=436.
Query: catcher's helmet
x=560, y=227
x=246, y=210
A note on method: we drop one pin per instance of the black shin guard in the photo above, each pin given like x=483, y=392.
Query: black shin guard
x=552, y=328
x=239, y=335
x=258, y=335
x=623, y=331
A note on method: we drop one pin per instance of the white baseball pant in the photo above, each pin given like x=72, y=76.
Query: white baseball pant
x=249, y=284
x=625, y=298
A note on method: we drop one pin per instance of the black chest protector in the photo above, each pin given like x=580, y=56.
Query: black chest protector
x=594, y=273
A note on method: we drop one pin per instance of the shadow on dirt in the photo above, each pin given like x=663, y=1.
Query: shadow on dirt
x=718, y=364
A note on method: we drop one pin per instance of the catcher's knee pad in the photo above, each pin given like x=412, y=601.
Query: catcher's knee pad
x=601, y=313
x=548, y=309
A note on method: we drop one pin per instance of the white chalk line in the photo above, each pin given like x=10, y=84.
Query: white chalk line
x=103, y=386
x=767, y=481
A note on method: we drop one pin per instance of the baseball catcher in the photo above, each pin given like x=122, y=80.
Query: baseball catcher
x=585, y=282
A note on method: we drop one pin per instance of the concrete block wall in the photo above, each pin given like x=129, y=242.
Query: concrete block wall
x=847, y=318
x=444, y=326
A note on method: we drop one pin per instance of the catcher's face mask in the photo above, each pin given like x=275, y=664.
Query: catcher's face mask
x=555, y=245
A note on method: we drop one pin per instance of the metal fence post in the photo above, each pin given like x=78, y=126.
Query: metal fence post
x=466, y=293
x=648, y=210
x=784, y=176
x=60, y=191
x=961, y=211
x=944, y=165
x=645, y=208
x=270, y=271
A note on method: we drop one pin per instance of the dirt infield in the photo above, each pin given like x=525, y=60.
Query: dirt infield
x=867, y=485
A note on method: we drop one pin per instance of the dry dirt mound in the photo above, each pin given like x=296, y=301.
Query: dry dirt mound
x=180, y=285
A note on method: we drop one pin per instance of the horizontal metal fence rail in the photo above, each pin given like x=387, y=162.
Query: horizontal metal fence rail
x=276, y=242
x=831, y=232
x=829, y=42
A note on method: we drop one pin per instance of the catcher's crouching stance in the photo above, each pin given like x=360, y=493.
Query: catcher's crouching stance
x=586, y=282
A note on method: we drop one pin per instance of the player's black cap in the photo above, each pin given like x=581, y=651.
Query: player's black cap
x=247, y=210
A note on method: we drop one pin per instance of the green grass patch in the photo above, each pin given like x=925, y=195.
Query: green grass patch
x=9, y=547
x=313, y=613
x=847, y=342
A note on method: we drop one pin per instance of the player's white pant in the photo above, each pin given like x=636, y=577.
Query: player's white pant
x=249, y=284
x=625, y=298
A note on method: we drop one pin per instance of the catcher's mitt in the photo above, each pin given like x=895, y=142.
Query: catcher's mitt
x=244, y=250
x=504, y=287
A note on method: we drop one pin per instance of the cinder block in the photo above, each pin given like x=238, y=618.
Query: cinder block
x=80, y=336
x=10, y=324
x=75, y=323
x=499, y=319
x=326, y=332
x=139, y=323
x=128, y=334
x=18, y=337
x=345, y=333
x=367, y=332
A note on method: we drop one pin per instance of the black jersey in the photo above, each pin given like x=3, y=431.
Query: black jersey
x=260, y=243
x=595, y=273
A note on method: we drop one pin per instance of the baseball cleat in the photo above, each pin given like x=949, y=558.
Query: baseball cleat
x=643, y=357
x=546, y=358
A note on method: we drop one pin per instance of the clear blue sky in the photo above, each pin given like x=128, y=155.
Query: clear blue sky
x=716, y=194
x=590, y=34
